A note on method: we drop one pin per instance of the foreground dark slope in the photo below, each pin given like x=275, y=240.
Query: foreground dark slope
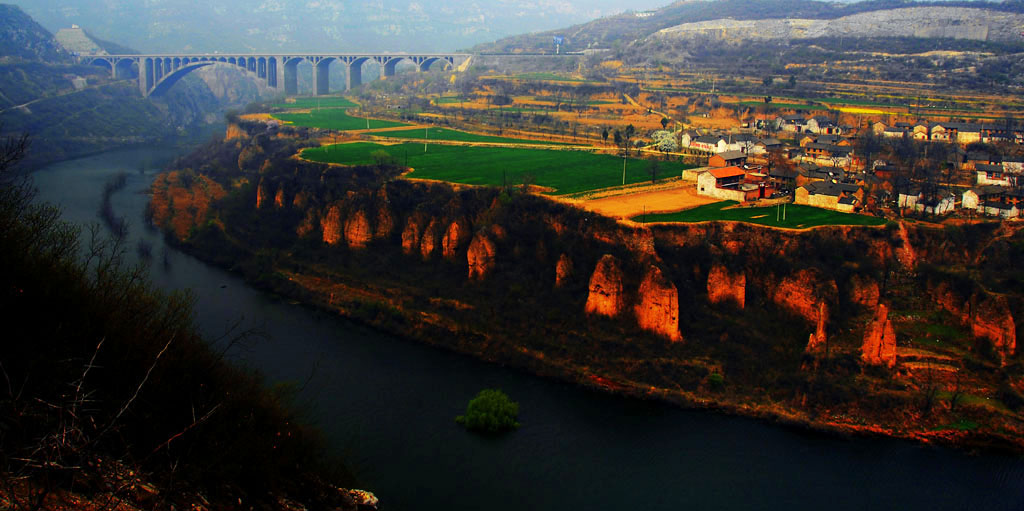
x=714, y=314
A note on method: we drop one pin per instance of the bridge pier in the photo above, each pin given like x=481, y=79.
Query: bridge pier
x=157, y=73
x=146, y=76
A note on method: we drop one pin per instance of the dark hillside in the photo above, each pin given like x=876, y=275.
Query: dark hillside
x=21, y=37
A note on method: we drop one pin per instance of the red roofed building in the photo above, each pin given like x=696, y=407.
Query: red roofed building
x=728, y=183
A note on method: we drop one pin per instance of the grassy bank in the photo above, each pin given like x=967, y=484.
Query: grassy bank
x=796, y=216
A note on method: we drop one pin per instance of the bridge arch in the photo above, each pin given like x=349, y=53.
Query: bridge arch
x=168, y=81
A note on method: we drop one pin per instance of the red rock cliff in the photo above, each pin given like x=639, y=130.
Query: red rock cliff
x=453, y=238
x=879, y=346
x=658, y=307
x=480, y=256
x=724, y=286
x=411, y=234
x=357, y=230
x=993, y=320
x=802, y=292
x=428, y=243
x=864, y=291
x=605, y=296
x=331, y=225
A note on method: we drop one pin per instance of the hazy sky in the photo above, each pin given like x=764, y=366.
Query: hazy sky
x=297, y=25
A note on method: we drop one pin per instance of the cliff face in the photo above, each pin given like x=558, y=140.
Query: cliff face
x=658, y=307
x=605, y=297
x=879, y=346
x=505, y=276
x=480, y=256
x=726, y=287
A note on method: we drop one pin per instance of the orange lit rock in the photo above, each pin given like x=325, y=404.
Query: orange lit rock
x=250, y=158
x=411, y=234
x=817, y=341
x=300, y=200
x=658, y=307
x=234, y=131
x=605, y=296
x=453, y=238
x=428, y=243
x=357, y=230
x=879, y=346
x=864, y=291
x=724, y=286
x=331, y=225
x=801, y=293
x=261, y=194
x=993, y=320
x=279, y=198
x=480, y=256
x=563, y=270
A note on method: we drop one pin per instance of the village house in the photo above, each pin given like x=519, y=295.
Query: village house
x=822, y=125
x=729, y=183
x=1014, y=164
x=995, y=175
x=938, y=205
x=992, y=200
x=828, y=154
x=908, y=198
x=827, y=195
x=728, y=159
x=792, y=123
x=766, y=145
x=782, y=178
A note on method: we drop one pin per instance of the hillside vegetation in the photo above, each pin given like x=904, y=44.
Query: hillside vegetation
x=109, y=394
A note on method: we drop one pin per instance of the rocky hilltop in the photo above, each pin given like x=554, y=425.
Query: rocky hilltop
x=928, y=22
x=881, y=330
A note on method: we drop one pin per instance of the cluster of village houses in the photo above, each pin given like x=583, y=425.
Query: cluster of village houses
x=830, y=174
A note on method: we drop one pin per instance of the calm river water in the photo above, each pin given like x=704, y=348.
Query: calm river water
x=387, y=405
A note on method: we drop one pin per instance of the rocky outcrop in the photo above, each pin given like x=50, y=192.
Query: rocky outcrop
x=988, y=317
x=879, y=346
x=453, y=238
x=300, y=200
x=331, y=225
x=357, y=230
x=279, y=198
x=428, y=243
x=481, y=256
x=411, y=234
x=993, y=321
x=817, y=343
x=864, y=292
x=724, y=286
x=802, y=292
x=657, y=309
x=606, y=296
x=563, y=270
x=262, y=196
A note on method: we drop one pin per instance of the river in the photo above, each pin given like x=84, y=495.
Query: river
x=387, y=405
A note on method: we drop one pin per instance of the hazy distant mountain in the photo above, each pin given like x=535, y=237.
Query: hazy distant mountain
x=22, y=37
x=303, y=25
x=630, y=27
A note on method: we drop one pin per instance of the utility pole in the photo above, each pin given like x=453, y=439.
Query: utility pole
x=623, y=171
x=426, y=136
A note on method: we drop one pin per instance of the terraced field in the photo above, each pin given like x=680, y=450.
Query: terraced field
x=459, y=136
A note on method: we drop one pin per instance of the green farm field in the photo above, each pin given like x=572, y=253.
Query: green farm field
x=797, y=216
x=323, y=102
x=460, y=136
x=565, y=172
x=334, y=119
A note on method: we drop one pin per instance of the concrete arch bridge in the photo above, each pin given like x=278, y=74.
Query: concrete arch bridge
x=158, y=73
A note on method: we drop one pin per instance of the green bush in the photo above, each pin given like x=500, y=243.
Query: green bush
x=491, y=411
